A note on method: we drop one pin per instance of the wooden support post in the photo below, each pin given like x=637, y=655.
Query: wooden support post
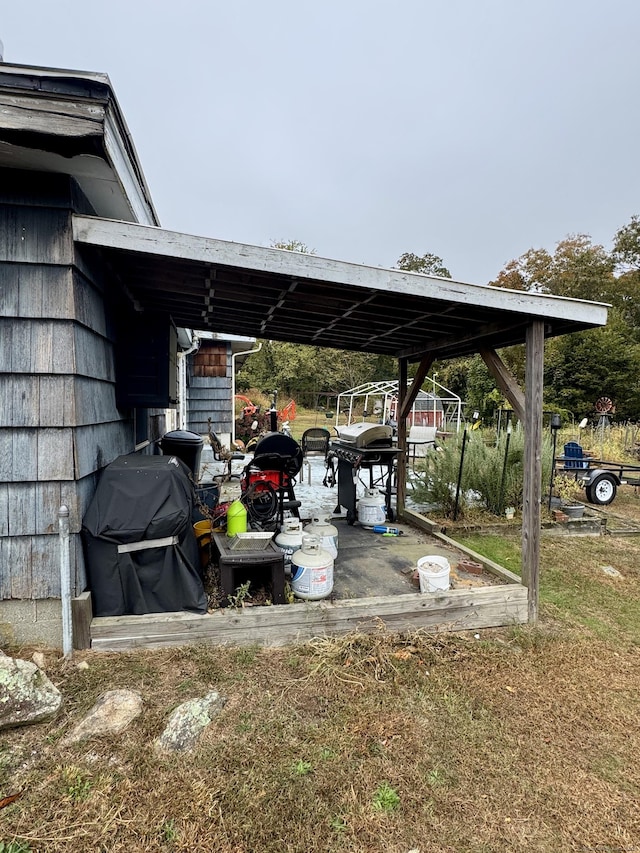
x=532, y=490
x=81, y=616
x=401, y=481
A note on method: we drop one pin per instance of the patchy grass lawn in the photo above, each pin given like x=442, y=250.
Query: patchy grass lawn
x=523, y=739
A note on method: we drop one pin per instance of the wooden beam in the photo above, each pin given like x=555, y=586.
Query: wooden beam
x=505, y=379
x=416, y=385
x=450, y=610
x=532, y=489
x=401, y=468
x=176, y=247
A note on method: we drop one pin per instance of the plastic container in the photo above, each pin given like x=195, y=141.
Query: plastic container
x=326, y=532
x=187, y=446
x=236, y=518
x=206, y=501
x=311, y=570
x=433, y=573
x=371, y=508
x=202, y=529
x=289, y=540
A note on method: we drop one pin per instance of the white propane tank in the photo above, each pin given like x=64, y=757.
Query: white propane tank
x=371, y=508
x=311, y=570
x=289, y=539
x=326, y=533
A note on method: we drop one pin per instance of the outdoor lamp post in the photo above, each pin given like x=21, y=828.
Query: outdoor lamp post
x=556, y=423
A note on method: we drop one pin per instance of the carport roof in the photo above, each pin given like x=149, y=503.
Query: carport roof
x=225, y=287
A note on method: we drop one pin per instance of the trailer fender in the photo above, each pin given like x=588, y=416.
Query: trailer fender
x=601, y=485
x=587, y=478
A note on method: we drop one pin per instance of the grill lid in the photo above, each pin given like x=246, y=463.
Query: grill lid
x=364, y=435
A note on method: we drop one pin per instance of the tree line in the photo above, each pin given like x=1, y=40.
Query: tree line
x=579, y=368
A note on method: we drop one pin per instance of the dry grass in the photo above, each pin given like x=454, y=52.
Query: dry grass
x=523, y=739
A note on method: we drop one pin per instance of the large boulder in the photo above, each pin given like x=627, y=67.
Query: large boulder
x=26, y=694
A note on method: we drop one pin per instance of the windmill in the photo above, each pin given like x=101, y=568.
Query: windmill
x=604, y=407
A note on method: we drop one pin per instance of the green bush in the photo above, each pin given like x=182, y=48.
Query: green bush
x=492, y=473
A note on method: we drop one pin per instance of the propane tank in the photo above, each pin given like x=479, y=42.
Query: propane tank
x=326, y=533
x=311, y=570
x=289, y=540
x=236, y=518
x=371, y=508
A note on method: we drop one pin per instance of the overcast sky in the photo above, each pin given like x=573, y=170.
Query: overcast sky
x=472, y=129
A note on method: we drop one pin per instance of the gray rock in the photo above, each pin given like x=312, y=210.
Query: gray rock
x=111, y=714
x=187, y=723
x=26, y=694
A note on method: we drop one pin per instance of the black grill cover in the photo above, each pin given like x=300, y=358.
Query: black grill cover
x=142, y=498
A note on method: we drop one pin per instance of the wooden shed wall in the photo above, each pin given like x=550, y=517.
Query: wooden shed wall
x=209, y=390
x=59, y=424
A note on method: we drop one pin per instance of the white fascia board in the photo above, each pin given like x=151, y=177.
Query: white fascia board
x=135, y=192
x=207, y=250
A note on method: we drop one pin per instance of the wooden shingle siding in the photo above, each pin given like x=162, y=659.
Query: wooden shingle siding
x=99, y=444
x=54, y=454
x=59, y=424
x=35, y=235
x=37, y=346
x=209, y=389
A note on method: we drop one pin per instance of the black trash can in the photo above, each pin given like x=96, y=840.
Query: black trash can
x=187, y=446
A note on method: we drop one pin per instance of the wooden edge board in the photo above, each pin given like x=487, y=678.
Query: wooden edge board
x=434, y=529
x=452, y=610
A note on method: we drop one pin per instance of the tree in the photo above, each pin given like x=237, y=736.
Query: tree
x=583, y=366
x=626, y=246
x=577, y=269
x=293, y=246
x=426, y=264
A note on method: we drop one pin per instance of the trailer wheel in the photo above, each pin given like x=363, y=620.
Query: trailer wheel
x=602, y=490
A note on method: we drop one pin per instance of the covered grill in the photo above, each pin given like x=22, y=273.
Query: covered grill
x=140, y=547
x=360, y=447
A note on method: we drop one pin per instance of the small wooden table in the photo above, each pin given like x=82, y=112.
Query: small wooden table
x=229, y=562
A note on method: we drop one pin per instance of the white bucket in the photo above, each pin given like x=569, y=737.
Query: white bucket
x=433, y=573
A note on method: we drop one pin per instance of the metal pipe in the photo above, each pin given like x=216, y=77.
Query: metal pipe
x=234, y=355
x=182, y=380
x=459, y=483
x=65, y=582
x=500, y=506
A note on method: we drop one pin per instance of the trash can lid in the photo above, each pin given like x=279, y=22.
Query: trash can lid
x=182, y=436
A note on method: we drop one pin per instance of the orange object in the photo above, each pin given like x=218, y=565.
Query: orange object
x=202, y=529
x=289, y=412
x=250, y=408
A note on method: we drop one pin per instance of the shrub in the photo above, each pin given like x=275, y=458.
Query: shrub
x=492, y=475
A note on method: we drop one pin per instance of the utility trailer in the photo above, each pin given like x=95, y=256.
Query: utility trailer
x=599, y=478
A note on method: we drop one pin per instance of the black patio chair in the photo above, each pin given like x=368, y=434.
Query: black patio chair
x=315, y=442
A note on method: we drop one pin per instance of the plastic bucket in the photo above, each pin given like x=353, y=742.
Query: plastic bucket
x=433, y=573
x=202, y=529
